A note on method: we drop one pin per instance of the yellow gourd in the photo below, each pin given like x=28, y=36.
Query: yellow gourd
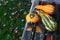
x=49, y=9
x=34, y=19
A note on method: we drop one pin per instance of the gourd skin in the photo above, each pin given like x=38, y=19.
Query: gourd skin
x=48, y=9
x=49, y=22
x=34, y=19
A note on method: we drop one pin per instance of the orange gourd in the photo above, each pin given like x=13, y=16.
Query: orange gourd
x=34, y=19
x=49, y=37
x=49, y=9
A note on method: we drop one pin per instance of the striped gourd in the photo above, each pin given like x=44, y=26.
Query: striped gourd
x=48, y=21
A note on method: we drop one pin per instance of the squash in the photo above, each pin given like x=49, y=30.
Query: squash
x=34, y=19
x=49, y=37
x=49, y=23
x=49, y=9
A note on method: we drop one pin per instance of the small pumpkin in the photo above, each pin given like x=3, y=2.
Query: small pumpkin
x=34, y=19
x=49, y=9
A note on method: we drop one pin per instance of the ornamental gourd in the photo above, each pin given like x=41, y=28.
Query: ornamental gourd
x=34, y=19
x=49, y=9
x=49, y=23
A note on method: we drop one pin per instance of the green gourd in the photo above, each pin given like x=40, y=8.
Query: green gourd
x=49, y=22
